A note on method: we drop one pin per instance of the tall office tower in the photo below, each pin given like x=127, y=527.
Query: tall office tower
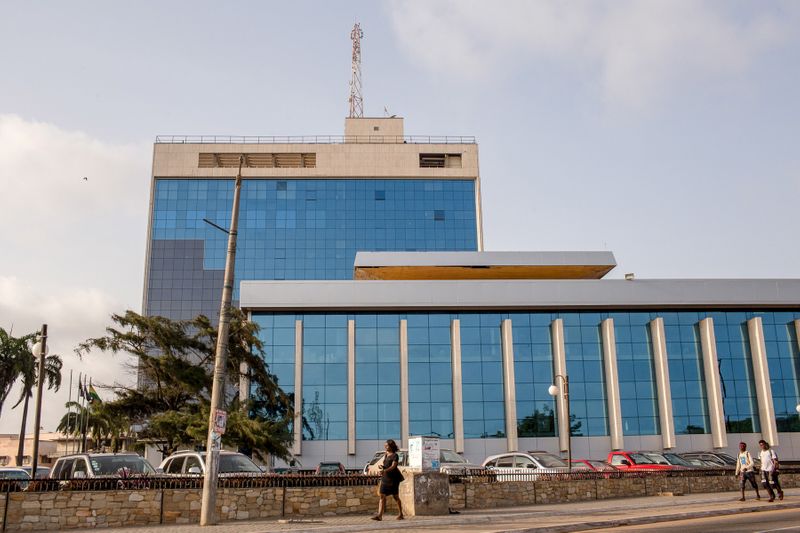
x=308, y=205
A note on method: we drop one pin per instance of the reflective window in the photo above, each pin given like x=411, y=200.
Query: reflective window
x=430, y=375
x=739, y=399
x=533, y=374
x=637, y=385
x=292, y=229
x=587, y=392
x=377, y=376
x=686, y=373
x=783, y=359
x=482, y=375
x=325, y=376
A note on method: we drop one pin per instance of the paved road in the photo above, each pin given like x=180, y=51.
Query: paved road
x=786, y=521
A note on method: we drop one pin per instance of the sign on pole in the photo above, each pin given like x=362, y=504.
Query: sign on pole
x=220, y=420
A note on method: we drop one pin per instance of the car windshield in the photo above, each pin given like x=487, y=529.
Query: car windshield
x=447, y=456
x=727, y=459
x=14, y=474
x=675, y=459
x=329, y=467
x=548, y=460
x=235, y=463
x=110, y=465
x=641, y=459
x=657, y=458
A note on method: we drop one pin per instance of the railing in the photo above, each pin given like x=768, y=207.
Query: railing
x=314, y=139
x=492, y=476
x=161, y=482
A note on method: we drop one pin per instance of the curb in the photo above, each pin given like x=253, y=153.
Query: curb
x=563, y=528
x=636, y=521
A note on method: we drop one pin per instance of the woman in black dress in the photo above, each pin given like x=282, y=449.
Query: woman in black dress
x=390, y=480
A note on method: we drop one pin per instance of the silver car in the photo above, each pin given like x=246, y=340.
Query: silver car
x=191, y=463
x=449, y=463
x=524, y=466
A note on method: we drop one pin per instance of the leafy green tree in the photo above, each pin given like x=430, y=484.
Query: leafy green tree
x=18, y=363
x=175, y=367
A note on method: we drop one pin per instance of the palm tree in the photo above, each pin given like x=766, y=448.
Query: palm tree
x=88, y=418
x=17, y=361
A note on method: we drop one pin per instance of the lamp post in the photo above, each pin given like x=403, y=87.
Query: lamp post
x=208, y=503
x=553, y=390
x=40, y=351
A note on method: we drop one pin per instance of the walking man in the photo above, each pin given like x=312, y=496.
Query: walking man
x=745, y=470
x=769, y=470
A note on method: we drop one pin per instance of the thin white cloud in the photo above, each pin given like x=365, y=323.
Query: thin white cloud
x=72, y=248
x=635, y=51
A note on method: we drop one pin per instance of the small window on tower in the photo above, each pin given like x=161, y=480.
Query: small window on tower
x=438, y=214
x=376, y=128
x=380, y=195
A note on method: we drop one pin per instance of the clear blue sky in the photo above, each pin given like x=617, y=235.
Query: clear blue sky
x=665, y=131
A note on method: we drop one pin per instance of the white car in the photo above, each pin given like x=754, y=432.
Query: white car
x=524, y=466
x=100, y=465
x=449, y=463
x=190, y=463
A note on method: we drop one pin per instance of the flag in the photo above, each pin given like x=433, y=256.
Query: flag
x=93, y=396
x=81, y=392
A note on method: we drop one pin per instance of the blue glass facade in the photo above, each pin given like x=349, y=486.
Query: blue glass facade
x=377, y=370
x=780, y=339
x=293, y=229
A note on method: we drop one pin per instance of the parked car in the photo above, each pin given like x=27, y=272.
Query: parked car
x=669, y=458
x=721, y=459
x=524, y=466
x=42, y=472
x=19, y=478
x=330, y=469
x=592, y=465
x=191, y=463
x=449, y=462
x=635, y=461
x=100, y=465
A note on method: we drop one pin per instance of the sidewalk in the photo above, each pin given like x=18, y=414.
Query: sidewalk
x=537, y=518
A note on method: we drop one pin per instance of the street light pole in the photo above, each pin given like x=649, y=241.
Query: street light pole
x=208, y=505
x=554, y=390
x=41, y=348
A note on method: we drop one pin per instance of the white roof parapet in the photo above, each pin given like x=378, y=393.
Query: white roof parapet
x=479, y=259
x=520, y=294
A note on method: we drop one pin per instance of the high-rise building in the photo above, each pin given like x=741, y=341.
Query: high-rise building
x=361, y=259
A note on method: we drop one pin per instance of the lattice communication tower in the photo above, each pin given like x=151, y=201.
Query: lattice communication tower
x=356, y=100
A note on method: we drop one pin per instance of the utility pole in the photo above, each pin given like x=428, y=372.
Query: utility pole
x=208, y=515
x=41, y=347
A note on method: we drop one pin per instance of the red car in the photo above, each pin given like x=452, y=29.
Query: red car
x=636, y=461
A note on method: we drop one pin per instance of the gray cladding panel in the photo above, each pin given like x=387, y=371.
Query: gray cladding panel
x=476, y=294
x=379, y=259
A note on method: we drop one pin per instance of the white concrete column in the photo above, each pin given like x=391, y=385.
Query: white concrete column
x=661, y=365
x=509, y=385
x=404, y=382
x=297, y=446
x=766, y=409
x=560, y=368
x=455, y=365
x=716, y=411
x=612, y=384
x=244, y=376
x=351, y=387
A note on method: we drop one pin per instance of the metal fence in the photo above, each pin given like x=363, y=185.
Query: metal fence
x=314, y=139
x=161, y=482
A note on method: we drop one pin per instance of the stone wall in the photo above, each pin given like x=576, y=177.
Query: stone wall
x=91, y=509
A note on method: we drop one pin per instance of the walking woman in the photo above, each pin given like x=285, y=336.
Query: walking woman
x=390, y=480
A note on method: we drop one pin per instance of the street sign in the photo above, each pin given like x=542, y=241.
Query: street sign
x=220, y=419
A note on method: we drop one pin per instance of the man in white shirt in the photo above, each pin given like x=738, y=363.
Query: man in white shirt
x=769, y=470
x=745, y=470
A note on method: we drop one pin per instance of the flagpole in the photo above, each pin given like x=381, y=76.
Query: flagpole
x=69, y=412
x=78, y=415
x=86, y=418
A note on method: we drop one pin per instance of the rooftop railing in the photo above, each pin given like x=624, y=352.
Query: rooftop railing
x=314, y=139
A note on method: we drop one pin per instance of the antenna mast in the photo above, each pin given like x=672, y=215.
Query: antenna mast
x=356, y=100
